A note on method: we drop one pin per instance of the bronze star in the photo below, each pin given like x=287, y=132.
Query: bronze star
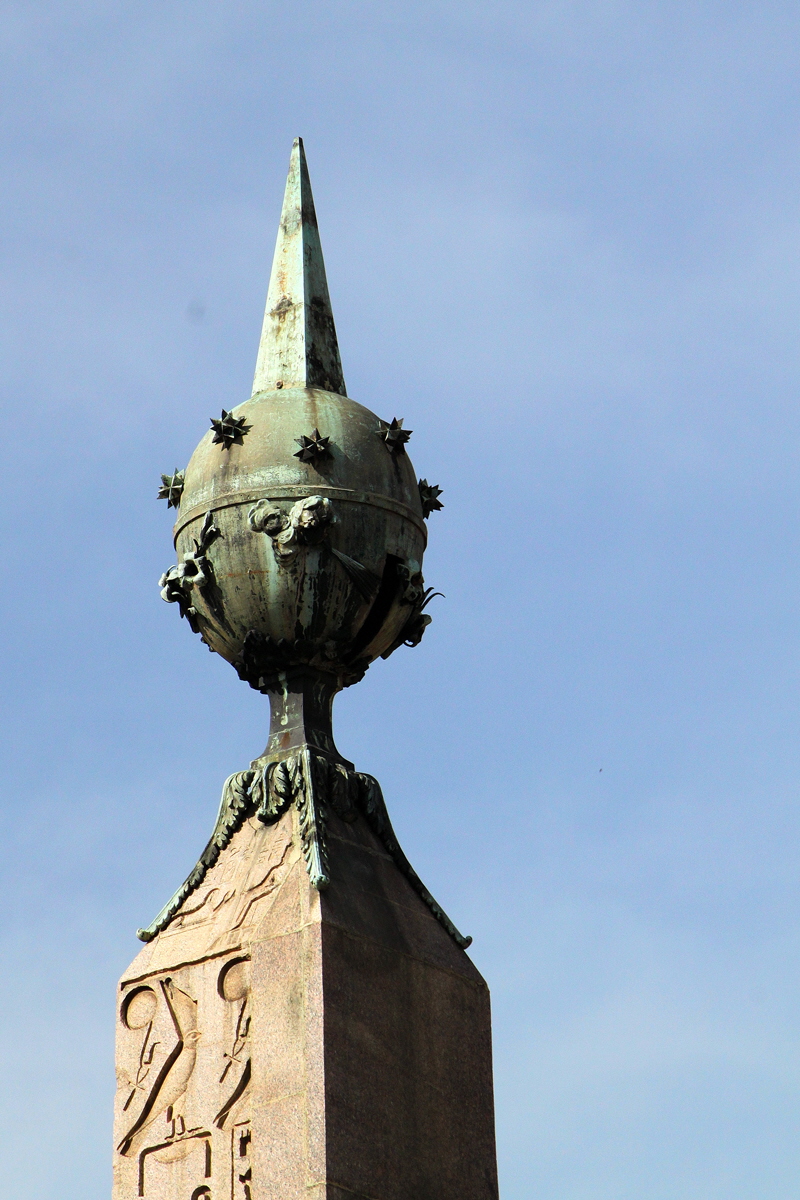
x=171, y=488
x=312, y=449
x=429, y=494
x=229, y=429
x=394, y=435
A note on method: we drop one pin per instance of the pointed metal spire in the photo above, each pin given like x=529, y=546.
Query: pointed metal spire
x=298, y=340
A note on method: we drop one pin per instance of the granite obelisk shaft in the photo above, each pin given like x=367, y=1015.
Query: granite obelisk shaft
x=276, y=1042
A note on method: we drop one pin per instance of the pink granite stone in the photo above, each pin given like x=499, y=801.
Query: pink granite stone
x=277, y=1043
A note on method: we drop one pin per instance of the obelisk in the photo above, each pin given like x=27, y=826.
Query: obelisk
x=303, y=1020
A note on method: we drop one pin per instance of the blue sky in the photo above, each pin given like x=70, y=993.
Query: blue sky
x=562, y=242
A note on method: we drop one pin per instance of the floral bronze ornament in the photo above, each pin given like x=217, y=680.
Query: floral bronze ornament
x=394, y=435
x=429, y=495
x=418, y=596
x=229, y=430
x=173, y=592
x=195, y=572
x=316, y=785
x=305, y=524
x=171, y=488
x=313, y=449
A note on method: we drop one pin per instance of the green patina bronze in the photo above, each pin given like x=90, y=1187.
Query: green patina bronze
x=300, y=535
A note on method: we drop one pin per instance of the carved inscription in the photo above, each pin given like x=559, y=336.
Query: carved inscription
x=242, y=1171
x=172, y=1151
x=183, y=1110
x=166, y=1058
x=233, y=986
x=248, y=871
x=162, y=1052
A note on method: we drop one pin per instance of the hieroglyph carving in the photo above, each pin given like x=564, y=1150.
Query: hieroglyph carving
x=234, y=988
x=166, y=1058
x=162, y=1020
x=234, y=807
x=241, y=1169
x=171, y=1110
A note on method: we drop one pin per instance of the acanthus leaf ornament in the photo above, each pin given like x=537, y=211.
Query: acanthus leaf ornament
x=429, y=495
x=171, y=488
x=278, y=785
x=316, y=785
x=299, y=561
x=310, y=801
x=394, y=436
x=235, y=806
x=229, y=430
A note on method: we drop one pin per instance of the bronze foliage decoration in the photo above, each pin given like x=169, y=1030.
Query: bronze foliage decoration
x=316, y=785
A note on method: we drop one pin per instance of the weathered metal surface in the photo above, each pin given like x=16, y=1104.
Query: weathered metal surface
x=300, y=567
x=329, y=593
x=301, y=766
x=298, y=341
x=429, y=494
x=228, y=430
x=304, y=599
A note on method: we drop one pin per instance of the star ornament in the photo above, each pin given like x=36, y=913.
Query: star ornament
x=171, y=488
x=312, y=449
x=429, y=494
x=394, y=435
x=229, y=429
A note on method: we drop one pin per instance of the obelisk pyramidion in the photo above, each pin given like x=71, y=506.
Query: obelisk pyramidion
x=303, y=1020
